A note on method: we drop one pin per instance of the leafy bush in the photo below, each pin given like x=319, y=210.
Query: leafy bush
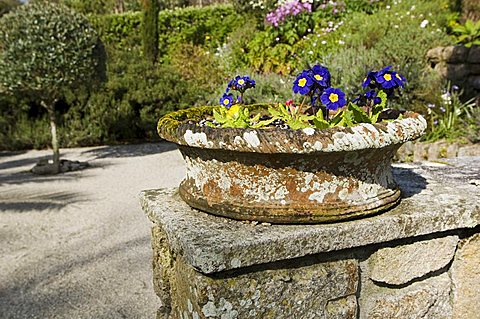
x=468, y=34
x=8, y=5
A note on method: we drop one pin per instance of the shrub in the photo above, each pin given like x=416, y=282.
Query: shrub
x=150, y=30
x=46, y=50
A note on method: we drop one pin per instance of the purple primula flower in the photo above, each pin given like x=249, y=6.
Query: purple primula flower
x=321, y=75
x=227, y=100
x=333, y=98
x=455, y=87
x=303, y=83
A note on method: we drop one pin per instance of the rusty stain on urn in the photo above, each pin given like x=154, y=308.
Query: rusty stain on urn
x=290, y=176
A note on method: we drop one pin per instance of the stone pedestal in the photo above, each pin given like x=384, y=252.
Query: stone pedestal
x=418, y=260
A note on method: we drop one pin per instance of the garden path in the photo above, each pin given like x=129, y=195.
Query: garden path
x=77, y=245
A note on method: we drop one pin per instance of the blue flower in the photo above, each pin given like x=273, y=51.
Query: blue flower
x=227, y=100
x=399, y=79
x=333, y=98
x=320, y=75
x=372, y=96
x=386, y=78
x=302, y=83
x=368, y=79
x=241, y=83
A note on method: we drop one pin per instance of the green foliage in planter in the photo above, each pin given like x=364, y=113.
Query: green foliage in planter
x=150, y=30
x=47, y=49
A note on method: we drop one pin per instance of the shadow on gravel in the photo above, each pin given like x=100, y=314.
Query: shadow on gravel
x=132, y=150
x=28, y=177
x=43, y=290
x=21, y=202
x=22, y=162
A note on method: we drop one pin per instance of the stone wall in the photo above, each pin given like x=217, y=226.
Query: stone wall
x=460, y=65
x=418, y=260
x=417, y=151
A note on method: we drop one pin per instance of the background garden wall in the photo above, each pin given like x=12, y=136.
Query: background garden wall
x=460, y=65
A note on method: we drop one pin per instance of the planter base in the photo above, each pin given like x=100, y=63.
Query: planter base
x=292, y=214
x=281, y=188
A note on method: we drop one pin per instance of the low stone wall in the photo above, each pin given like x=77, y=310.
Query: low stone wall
x=460, y=65
x=422, y=151
x=418, y=260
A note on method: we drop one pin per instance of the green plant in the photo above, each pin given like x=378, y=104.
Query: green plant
x=449, y=118
x=468, y=34
x=46, y=50
x=150, y=30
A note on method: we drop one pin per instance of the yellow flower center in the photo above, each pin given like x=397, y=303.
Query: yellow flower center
x=302, y=82
x=318, y=77
x=241, y=82
x=333, y=97
x=387, y=77
x=226, y=101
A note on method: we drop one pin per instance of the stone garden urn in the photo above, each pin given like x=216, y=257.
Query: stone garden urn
x=279, y=175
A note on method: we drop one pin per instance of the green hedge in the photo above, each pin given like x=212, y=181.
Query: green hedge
x=207, y=27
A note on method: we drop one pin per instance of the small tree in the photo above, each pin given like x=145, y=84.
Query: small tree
x=150, y=30
x=46, y=50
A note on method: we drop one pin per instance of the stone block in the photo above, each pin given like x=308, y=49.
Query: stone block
x=428, y=299
x=442, y=69
x=420, y=152
x=474, y=68
x=452, y=149
x=469, y=150
x=305, y=288
x=405, y=152
x=474, y=54
x=401, y=264
x=465, y=272
x=455, y=54
x=435, y=55
x=457, y=72
x=474, y=81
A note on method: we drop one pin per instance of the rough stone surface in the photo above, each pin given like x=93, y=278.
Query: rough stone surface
x=401, y=264
x=437, y=197
x=423, y=300
x=474, y=54
x=465, y=274
x=474, y=81
x=343, y=308
x=305, y=288
x=455, y=54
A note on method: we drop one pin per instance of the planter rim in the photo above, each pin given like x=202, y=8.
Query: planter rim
x=174, y=128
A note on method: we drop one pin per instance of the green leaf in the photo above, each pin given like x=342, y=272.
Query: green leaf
x=358, y=114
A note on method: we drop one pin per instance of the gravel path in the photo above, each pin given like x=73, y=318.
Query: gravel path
x=77, y=245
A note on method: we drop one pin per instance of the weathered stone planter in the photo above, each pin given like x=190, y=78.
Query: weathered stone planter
x=289, y=176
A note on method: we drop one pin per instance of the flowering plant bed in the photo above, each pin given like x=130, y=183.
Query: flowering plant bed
x=287, y=163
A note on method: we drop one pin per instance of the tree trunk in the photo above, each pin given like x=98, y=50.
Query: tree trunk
x=53, y=127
